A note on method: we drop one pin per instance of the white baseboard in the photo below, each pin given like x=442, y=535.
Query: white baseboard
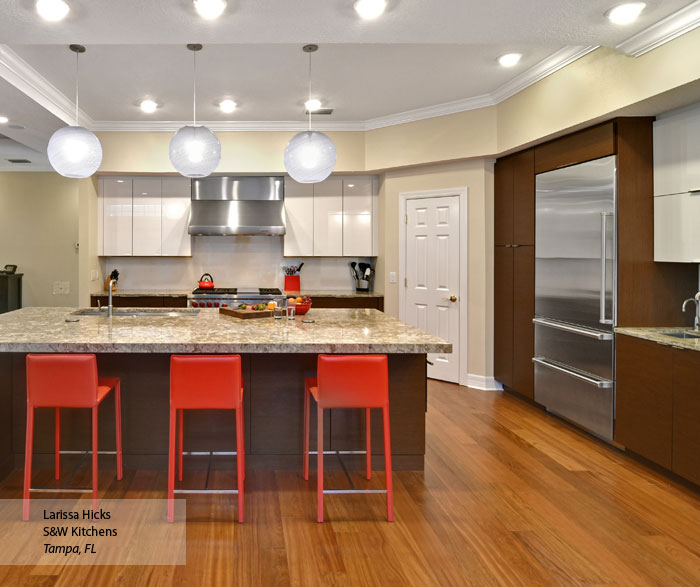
x=482, y=382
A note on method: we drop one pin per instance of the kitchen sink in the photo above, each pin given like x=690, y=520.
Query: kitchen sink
x=136, y=313
x=676, y=334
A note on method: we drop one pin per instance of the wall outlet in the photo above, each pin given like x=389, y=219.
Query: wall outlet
x=392, y=276
x=61, y=288
x=93, y=275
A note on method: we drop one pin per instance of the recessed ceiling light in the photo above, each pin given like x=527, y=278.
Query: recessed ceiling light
x=227, y=106
x=509, y=59
x=626, y=13
x=210, y=9
x=4, y=120
x=312, y=104
x=370, y=9
x=148, y=106
x=52, y=10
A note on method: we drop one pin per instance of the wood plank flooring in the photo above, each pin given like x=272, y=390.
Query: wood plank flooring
x=509, y=496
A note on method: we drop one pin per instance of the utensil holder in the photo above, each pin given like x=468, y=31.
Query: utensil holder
x=292, y=283
x=361, y=285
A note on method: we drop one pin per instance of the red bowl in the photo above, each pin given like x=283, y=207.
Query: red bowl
x=302, y=309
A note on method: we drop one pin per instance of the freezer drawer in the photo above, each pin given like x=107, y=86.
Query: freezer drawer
x=583, y=348
x=581, y=398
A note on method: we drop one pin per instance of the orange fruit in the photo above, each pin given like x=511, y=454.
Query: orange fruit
x=299, y=300
x=270, y=305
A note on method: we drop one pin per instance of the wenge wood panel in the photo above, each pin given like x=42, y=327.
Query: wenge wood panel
x=6, y=452
x=503, y=315
x=648, y=293
x=686, y=414
x=524, y=198
x=139, y=301
x=523, y=313
x=644, y=399
x=358, y=302
x=503, y=201
x=585, y=145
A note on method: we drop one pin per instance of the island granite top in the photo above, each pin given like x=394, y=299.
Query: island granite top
x=334, y=331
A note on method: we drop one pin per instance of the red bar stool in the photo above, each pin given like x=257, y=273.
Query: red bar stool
x=67, y=381
x=338, y=386
x=205, y=382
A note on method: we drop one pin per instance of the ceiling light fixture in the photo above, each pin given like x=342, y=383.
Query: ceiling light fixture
x=509, y=59
x=626, y=13
x=227, y=106
x=312, y=104
x=4, y=120
x=194, y=150
x=52, y=10
x=310, y=156
x=75, y=151
x=148, y=106
x=210, y=9
x=370, y=9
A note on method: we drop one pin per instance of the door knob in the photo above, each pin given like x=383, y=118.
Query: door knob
x=451, y=299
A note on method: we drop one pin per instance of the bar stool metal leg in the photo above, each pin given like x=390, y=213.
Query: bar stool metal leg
x=58, y=443
x=319, y=460
x=118, y=423
x=368, y=433
x=94, y=458
x=181, y=441
x=387, y=466
x=171, y=467
x=240, y=456
x=307, y=432
x=28, y=448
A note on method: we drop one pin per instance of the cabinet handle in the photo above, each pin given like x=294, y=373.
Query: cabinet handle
x=591, y=380
x=515, y=246
x=695, y=192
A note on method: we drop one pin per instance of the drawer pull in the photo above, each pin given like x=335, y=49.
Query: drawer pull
x=589, y=332
x=590, y=379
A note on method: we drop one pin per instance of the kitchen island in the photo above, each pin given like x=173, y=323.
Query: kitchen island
x=277, y=356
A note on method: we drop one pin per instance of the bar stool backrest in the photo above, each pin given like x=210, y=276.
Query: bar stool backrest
x=205, y=381
x=353, y=381
x=64, y=381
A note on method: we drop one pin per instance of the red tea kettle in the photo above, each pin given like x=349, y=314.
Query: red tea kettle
x=206, y=281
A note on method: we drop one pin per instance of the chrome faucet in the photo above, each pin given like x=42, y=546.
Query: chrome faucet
x=113, y=281
x=696, y=301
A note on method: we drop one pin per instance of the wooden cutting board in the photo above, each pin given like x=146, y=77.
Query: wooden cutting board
x=245, y=314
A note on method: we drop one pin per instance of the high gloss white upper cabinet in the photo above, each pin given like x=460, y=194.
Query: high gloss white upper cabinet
x=358, y=235
x=328, y=218
x=677, y=152
x=147, y=217
x=299, y=215
x=175, y=216
x=117, y=220
x=677, y=228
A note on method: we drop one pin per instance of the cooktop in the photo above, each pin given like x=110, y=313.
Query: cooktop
x=232, y=291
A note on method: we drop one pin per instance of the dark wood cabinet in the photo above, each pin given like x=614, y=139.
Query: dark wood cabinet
x=139, y=301
x=371, y=302
x=644, y=399
x=503, y=202
x=523, y=312
x=514, y=199
x=10, y=292
x=503, y=315
x=686, y=414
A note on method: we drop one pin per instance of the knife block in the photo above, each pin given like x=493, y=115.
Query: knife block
x=292, y=283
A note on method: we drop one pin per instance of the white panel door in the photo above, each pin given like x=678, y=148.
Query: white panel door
x=147, y=216
x=299, y=215
x=357, y=217
x=175, y=217
x=432, y=276
x=117, y=210
x=328, y=218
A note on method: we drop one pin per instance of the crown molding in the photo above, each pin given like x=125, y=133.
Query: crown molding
x=224, y=126
x=674, y=25
x=30, y=82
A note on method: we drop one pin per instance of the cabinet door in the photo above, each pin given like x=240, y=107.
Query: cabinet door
x=357, y=217
x=644, y=398
x=176, y=202
x=503, y=315
x=100, y=217
x=503, y=201
x=676, y=229
x=523, y=313
x=677, y=153
x=299, y=213
x=686, y=414
x=524, y=198
x=117, y=222
x=328, y=218
x=147, y=214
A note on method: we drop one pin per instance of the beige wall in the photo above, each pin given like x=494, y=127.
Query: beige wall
x=477, y=177
x=38, y=232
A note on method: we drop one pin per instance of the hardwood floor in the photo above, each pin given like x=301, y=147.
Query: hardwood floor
x=510, y=496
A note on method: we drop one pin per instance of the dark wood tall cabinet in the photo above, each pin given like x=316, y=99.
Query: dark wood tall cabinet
x=514, y=271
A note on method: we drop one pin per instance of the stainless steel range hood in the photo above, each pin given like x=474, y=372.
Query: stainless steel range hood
x=237, y=206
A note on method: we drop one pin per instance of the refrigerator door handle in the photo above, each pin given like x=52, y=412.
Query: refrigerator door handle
x=590, y=379
x=589, y=332
x=603, y=266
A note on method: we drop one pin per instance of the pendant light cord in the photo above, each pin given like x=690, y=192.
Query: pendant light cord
x=194, y=88
x=77, y=86
x=309, y=98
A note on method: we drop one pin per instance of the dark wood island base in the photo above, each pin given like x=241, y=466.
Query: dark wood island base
x=274, y=386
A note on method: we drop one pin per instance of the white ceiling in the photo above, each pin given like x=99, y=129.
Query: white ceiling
x=419, y=56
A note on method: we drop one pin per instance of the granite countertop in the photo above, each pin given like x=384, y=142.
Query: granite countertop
x=334, y=331
x=141, y=293
x=334, y=293
x=655, y=335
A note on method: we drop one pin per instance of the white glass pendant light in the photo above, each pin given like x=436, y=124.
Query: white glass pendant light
x=195, y=151
x=75, y=151
x=310, y=156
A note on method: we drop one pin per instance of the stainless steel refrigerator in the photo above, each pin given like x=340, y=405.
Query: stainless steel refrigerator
x=575, y=293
